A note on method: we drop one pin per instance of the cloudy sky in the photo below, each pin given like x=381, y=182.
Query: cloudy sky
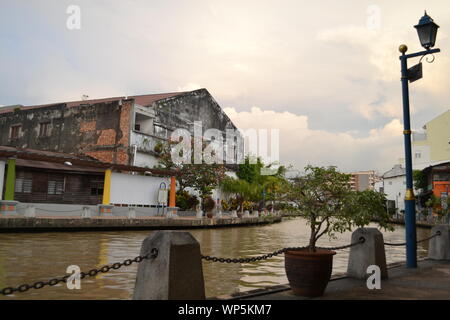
x=326, y=73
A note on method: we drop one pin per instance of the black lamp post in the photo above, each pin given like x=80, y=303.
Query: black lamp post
x=427, y=31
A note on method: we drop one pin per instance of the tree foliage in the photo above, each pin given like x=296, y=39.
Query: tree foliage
x=420, y=180
x=253, y=186
x=202, y=177
x=326, y=201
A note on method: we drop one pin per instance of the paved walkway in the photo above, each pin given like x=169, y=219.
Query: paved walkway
x=430, y=281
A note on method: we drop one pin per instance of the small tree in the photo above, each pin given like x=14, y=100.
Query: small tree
x=420, y=180
x=201, y=177
x=369, y=205
x=326, y=201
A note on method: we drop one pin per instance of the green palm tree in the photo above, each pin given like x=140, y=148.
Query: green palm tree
x=244, y=190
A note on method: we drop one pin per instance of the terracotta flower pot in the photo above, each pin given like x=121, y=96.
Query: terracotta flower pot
x=209, y=214
x=309, y=272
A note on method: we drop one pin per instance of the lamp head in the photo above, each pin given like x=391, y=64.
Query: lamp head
x=427, y=31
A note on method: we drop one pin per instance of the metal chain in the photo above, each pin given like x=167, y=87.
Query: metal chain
x=361, y=240
x=438, y=233
x=275, y=253
x=252, y=259
x=91, y=273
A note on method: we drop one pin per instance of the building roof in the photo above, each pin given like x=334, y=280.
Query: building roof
x=143, y=100
x=56, y=166
x=437, y=117
x=57, y=160
x=396, y=171
x=441, y=166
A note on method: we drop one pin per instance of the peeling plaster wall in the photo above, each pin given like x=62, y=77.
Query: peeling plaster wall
x=100, y=130
x=180, y=112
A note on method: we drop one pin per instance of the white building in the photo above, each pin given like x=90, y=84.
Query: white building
x=394, y=186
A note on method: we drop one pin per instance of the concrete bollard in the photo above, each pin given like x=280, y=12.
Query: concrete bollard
x=255, y=213
x=439, y=247
x=246, y=214
x=371, y=252
x=30, y=212
x=131, y=213
x=234, y=214
x=199, y=214
x=172, y=212
x=86, y=213
x=175, y=274
x=219, y=213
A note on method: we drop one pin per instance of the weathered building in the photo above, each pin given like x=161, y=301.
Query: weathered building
x=120, y=130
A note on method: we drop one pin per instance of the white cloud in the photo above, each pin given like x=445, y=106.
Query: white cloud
x=300, y=145
x=189, y=87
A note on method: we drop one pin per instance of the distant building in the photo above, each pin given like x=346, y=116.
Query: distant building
x=432, y=145
x=394, y=186
x=363, y=180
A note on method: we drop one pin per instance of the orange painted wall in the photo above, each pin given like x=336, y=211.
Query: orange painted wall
x=440, y=186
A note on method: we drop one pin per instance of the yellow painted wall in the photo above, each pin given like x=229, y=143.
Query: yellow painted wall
x=438, y=136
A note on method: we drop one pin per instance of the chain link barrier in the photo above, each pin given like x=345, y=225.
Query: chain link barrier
x=438, y=233
x=276, y=253
x=91, y=273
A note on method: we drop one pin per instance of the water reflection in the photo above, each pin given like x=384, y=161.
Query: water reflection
x=26, y=258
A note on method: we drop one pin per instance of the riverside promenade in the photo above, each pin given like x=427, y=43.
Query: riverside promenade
x=430, y=281
x=76, y=223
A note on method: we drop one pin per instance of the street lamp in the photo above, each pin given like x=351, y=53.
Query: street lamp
x=427, y=31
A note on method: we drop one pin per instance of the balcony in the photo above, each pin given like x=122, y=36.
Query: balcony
x=145, y=142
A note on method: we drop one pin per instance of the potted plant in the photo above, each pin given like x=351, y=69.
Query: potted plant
x=324, y=198
x=208, y=206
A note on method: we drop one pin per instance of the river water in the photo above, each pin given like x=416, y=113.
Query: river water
x=28, y=257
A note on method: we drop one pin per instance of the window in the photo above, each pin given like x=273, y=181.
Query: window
x=23, y=185
x=44, y=129
x=15, y=131
x=96, y=191
x=137, y=127
x=96, y=188
x=417, y=155
x=55, y=187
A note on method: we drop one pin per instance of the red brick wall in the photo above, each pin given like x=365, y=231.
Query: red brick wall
x=111, y=143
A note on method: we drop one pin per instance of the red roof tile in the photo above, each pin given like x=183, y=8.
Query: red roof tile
x=143, y=100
